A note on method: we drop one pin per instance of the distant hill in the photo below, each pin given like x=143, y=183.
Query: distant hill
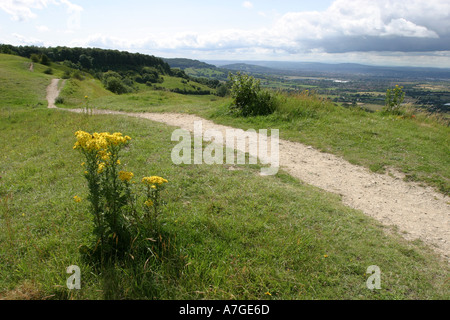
x=198, y=69
x=249, y=68
x=184, y=63
x=315, y=68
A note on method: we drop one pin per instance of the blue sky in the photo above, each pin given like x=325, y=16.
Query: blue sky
x=381, y=32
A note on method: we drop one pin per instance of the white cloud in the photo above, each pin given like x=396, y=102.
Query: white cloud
x=42, y=28
x=247, y=4
x=22, y=10
x=369, y=18
x=27, y=41
x=345, y=29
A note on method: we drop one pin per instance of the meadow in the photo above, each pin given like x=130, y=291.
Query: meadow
x=226, y=232
x=416, y=144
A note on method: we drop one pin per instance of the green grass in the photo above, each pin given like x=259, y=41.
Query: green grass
x=144, y=101
x=418, y=147
x=205, y=72
x=177, y=83
x=233, y=233
x=19, y=85
x=227, y=234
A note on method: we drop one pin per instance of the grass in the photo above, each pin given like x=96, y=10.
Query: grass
x=418, y=147
x=227, y=234
x=279, y=237
x=19, y=85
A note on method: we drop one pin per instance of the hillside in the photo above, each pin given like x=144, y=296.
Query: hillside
x=120, y=71
x=225, y=231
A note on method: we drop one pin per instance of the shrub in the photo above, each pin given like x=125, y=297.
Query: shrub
x=59, y=100
x=394, y=99
x=222, y=90
x=77, y=75
x=116, y=85
x=66, y=74
x=34, y=57
x=248, y=97
x=48, y=71
x=45, y=60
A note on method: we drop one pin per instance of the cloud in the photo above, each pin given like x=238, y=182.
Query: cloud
x=247, y=4
x=20, y=10
x=42, y=28
x=23, y=10
x=384, y=28
x=365, y=25
x=27, y=41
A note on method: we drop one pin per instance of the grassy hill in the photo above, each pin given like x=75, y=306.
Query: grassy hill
x=226, y=232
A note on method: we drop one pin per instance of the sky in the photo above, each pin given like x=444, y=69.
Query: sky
x=374, y=32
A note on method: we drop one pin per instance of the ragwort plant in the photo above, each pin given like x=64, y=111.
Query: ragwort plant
x=118, y=222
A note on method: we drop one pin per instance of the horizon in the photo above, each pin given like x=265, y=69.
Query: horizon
x=375, y=33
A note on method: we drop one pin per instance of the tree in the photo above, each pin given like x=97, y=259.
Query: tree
x=45, y=60
x=85, y=61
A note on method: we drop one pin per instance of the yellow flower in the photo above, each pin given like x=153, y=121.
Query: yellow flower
x=118, y=162
x=154, y=180
x=99, y=141
x=101, y=167
x=126, y=176
x=268, y=293
x=149, y=203
x=77, y=199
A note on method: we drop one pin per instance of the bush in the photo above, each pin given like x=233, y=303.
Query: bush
x=66, y=74
x=34, y=57
x=394, y=99
x=77, y=75
x=248, y=98
x=222, y=90
x=45, y=60
x=116, y=85
x=48, y=71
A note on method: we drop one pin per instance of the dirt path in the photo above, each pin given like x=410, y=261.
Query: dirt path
x=418, y=212
x=53, y=92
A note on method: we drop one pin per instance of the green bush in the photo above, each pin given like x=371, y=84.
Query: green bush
x=45, y=60
x=394, y=100
x=34, y=57
x=116, y=85
x=222, y=90
x=248, y=97
x=48, y=71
